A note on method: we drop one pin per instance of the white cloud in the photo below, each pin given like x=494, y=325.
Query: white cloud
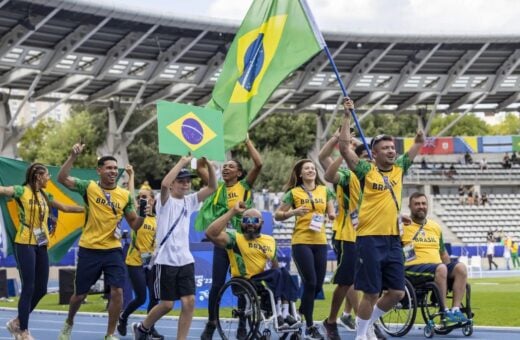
x=374, y=16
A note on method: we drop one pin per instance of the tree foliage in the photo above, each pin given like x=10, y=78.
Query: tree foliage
x=469, y=125
x=509, y=126
x=276, y=169
x=50, y=143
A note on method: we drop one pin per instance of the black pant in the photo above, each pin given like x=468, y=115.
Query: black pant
x=491, y=262
x=33, y=266
x=311, y=261
x=141, y=278
x=218, y=278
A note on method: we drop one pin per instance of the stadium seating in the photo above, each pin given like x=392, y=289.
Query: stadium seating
x=471, y=223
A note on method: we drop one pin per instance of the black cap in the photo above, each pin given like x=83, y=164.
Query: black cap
x=185, y=173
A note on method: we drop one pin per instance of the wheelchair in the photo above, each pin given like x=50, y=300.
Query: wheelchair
x=426, y=296
x=251, y=305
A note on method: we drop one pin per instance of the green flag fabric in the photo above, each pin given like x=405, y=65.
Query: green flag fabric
x=68, y=225
x=275, y=38
x=190, y=129
x=216, y=205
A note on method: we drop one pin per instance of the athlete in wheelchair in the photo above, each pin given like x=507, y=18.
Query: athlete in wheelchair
x=255, y=296
x=430, y=274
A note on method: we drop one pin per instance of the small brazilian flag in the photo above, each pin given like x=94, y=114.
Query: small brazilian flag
x=187, y=129
x=275, y=38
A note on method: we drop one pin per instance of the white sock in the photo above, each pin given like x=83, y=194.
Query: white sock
x=376, y=314
x=361, y=326
x=345, y=314
x=285, y=310
x=279, y=307
x=455, y=309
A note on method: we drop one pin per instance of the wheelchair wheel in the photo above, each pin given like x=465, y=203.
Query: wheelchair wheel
x=238, y=310
x=432, y=308
x=399, y=320
x=468, y=329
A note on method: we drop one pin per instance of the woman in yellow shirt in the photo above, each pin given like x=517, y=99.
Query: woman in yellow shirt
x=138, y=265
x=31, y=241
x=308, y=199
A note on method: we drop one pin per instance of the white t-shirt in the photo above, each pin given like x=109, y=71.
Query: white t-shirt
x=490, y=248
x=176, y=249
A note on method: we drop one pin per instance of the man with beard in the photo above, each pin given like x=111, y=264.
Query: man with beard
x=377, y=222
x=100, y=243
x=256, y=251
x=427, y=258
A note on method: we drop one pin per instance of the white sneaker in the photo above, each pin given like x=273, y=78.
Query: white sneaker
x=66, y=331
x=371, y=335
x=13, y=326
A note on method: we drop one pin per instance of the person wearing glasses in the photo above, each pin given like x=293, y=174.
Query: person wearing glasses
x=257, y=251
x=31, y=241
x=378, y=223
x=173, y=261
x=309, y=200
x=235, y=186
x=138, y=259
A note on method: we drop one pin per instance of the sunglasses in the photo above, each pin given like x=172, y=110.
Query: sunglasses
x=250, y=220
x=379, y=138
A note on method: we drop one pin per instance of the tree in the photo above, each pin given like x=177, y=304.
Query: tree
x=54, y=140
x=509, y=126
x=276, y=169
x=469, y=125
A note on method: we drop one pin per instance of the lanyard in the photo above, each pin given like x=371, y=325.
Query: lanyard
x=107, y=196
x=183, y=212
x=390, y=188
x=310, y=197
x=418, y=231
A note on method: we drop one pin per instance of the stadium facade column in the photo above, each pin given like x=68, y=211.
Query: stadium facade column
x=8, y=134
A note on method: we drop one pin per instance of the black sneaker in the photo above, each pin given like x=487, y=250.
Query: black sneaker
x=281, y=322
x=241, y=332
x=207, y=333
x=380, y=334
x=348, y=322
x=332, y=330
x=121, y=326
x=312, y=333
x=291, y=321
x=156, y=335
x=139, y=332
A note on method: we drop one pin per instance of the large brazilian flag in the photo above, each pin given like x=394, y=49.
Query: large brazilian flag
x=275, y=38
x=68, y=226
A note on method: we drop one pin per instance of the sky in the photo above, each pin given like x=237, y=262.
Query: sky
x=416, y=17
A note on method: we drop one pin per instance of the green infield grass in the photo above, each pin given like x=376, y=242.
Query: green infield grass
x=495, y=302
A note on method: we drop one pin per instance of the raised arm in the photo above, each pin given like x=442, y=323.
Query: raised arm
x=216, y=231
x=257, y=163
x=331, y=173
x=416, y=147
x=131, y=179
x=212, y=180
x=63, y=176
x=344, y=137
x=170, y=177
x=326, y=151
x=67, y=208
x=202, y=170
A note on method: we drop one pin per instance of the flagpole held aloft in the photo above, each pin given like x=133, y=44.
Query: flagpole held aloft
x=323, y=44
x=345, y=94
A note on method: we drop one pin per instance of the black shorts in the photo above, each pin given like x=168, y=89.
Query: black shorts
x=380, y=264
x=344, y=274
x=93, y=262
x=172, y=283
